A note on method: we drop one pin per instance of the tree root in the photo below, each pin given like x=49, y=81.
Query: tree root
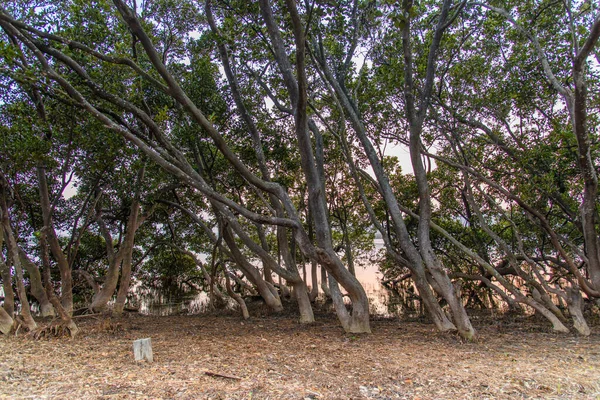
x=55, y=328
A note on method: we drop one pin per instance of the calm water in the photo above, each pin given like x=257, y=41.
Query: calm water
x=381, y=300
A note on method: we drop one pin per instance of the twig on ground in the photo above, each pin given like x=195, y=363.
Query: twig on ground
x=217, y=375
x=86, y=315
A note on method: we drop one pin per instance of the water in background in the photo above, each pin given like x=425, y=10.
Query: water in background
x=382, y=301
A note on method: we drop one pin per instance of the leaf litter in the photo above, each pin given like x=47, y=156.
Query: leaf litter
x=221, y=357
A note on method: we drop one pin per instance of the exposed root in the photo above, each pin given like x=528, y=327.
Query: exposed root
x=55, y=328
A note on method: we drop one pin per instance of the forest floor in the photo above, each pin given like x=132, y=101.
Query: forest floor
x=277, y=358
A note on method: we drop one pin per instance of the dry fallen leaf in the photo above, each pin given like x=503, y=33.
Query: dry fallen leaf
x=284, y=360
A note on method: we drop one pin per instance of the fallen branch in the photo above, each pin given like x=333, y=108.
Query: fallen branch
x=87, y=315
x=216, y=375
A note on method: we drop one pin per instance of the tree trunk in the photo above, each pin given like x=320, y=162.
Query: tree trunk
x=13, y=254
x=428, y=300
x=65, y=316
x=348, y=250
x=117, y=260
x=133, y=224
x=578, y=111
x=209, y=280
x=358, y=320
x=271, y=300
x=306, y=313
x=66, y=280
x=557, y=325
x=431, y=261
x=459, y=314
x=543, y=298
x=6, y=322
x=324, y=283
x=101, y=299
x=575, y=305
x=416, y=262
x=36, y=286
x=290, y=273
x=111, y=279
x=268, y=274
x=89, y=279
x=314, y=289
x=298, y=285
x=352, y=322
x=9, y=294
x=124, y=284
x=11, y=243
x=304, y=303
x=236, y=296
x=28, y=320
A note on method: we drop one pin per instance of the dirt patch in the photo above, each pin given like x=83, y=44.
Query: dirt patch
x=276, y=358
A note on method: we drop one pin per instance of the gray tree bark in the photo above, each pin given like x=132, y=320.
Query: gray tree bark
x=293, y=277
x=9, y=294
x=66, y=286
x=13, y=252
x=121, y=260
x=575, y=306
x=576, y=100
x=36, y=286
x=358, y=319
x=271, y=299
x=6, y=322
x=238, y=299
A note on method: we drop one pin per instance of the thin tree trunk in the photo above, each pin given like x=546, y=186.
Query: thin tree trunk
x=290, y=273
x=36, y=286
x=253, y=275
x=428, y=300
x=101, y=299
x=236, y=296
x=64, y=315
x=575, y=306
x=119, y=260
x=124, y=283
x=415, y=263
x=304, y=271
x=205, y=274
x=557, y=325
x=324, y=283
x=314, y=289
x=125, y=280
x=416, y=118
x=358, y=319
x=13, y=252
x=13, y=255
x=66, y=280
x=89, y=279
x=578, y=111
x=348, y=250
x=542, y=297
x=298, y=285
x=537, y=303
x=268, y=274
x=9, y=294
x=304, y=303
x=352, y=322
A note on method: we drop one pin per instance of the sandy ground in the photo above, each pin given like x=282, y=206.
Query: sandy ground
x=276, y=358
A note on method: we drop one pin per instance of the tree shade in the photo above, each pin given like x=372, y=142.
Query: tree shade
x=248, y=139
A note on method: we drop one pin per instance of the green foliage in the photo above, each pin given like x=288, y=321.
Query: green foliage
x=168, y=270
x=488, y=73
